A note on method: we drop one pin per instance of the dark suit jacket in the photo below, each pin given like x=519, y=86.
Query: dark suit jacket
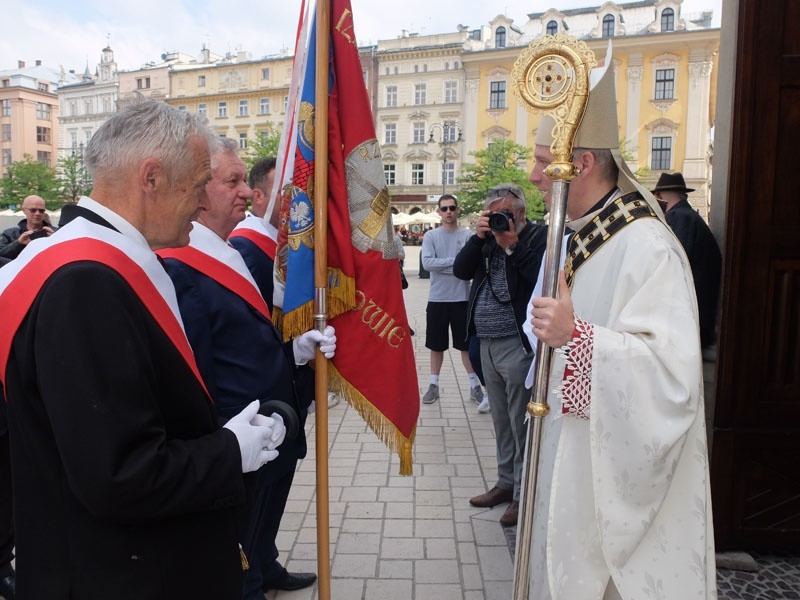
x=705, y=260
x=258, y=263
x=124, y=483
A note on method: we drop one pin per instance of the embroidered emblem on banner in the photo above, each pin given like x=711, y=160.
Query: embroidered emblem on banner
x=607, y=223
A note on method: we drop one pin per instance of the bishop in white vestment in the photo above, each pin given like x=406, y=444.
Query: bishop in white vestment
x=623, y=505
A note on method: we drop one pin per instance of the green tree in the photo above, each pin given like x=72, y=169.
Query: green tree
x=502, y=162
x=73, y=178
x=264, y=146
x=25, y=177
x=641, y=172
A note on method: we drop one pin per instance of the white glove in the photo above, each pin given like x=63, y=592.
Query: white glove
x=278, y=429
x=305, y=346
x=253, y=435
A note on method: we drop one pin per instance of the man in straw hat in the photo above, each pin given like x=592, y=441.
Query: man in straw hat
x=700, y=246
x=623, y=506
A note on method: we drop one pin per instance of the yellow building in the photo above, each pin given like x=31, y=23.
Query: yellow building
x=665, y=67
x=239, y=96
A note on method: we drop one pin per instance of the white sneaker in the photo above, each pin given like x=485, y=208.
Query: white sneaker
x=483, y=407
x=333, y=399
x=476, y=394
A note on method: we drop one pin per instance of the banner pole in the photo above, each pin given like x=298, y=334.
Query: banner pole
x=320, y=292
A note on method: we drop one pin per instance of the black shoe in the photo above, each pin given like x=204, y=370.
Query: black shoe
x=8, y=587
x=289, y=582
x=411, y=330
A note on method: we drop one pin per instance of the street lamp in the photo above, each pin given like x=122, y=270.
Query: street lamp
x=450, y=134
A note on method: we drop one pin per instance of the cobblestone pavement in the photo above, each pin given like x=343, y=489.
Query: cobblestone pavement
x=417, y=537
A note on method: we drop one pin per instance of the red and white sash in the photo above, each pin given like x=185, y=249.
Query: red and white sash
x=22, y=280
x=254, y=229
x=213, y=257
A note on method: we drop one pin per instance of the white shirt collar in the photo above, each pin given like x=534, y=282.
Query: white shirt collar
x=118, y=222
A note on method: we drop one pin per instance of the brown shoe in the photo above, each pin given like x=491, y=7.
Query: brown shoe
x=492, y=498
x=511, y=515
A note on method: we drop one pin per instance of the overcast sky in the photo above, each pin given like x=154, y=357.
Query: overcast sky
x=69, y=33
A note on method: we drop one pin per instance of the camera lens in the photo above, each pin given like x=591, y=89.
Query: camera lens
x=499, y=222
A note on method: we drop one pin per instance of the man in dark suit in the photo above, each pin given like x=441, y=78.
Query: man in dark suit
x=241, y=356
x=700, y=246
x=255, y=236
x=125, y=485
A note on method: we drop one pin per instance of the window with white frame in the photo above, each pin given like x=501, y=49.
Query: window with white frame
x=265, y=73
x=451, y=91
x=202, y=109
x=391, y=96
x=390, y=133
x=43, y=111
x=6, y=132
x=420, y=93
x=418, y=132
x=417, y=173
x=7, y=158
x=243, y=108
x=201, y=81
x=449, y=173
x=661, y=153
x=390, y=174
x=73, y=138
x=222, y=109
x=552, y=28
x=263, y=106
x=665, y=84
x=285, y=103
x=243, y=141
x=43, y=135
x=609, y=23
x=6, y=108
x=497, y=95
x=500, y=37
x=667, y=20
x=450, y=131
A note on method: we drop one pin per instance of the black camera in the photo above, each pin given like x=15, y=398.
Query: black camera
x=39, y=233
x=501, y=221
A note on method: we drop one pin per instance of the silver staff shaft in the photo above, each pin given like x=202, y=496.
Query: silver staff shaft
x=538, y=407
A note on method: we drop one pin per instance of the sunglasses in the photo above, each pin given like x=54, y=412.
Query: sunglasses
x=448, y=207
x=502, y=192
x=35, y=210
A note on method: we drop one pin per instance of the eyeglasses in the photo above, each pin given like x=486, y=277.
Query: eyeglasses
x=502, y=192
x=450, y=207
x=35, y=210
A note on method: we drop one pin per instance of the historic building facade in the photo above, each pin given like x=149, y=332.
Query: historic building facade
x=86, y=104
x=238, y=95
x=29, y=113
x=664, y=64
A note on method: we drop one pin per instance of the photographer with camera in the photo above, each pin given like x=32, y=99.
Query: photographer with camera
x=35, y=225
x=503, y=259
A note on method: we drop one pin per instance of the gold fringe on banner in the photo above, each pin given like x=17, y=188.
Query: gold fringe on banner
x=341, y=298
x=376, y=420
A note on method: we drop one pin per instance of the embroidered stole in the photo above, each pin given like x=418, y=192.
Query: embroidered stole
x=605, y=224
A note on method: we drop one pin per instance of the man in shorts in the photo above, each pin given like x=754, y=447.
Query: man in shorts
x=447, y=298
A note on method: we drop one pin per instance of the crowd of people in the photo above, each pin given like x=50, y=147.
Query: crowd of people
x=153, y=416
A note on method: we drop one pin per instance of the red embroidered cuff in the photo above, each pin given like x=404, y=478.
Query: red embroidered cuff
x=576, y=387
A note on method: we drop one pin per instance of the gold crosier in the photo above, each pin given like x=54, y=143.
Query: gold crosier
x=551, y=76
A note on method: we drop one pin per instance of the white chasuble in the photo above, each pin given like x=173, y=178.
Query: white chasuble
x=623, y=499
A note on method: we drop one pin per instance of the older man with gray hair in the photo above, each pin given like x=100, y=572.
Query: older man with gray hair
x=503, y=259
x=125, y=484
